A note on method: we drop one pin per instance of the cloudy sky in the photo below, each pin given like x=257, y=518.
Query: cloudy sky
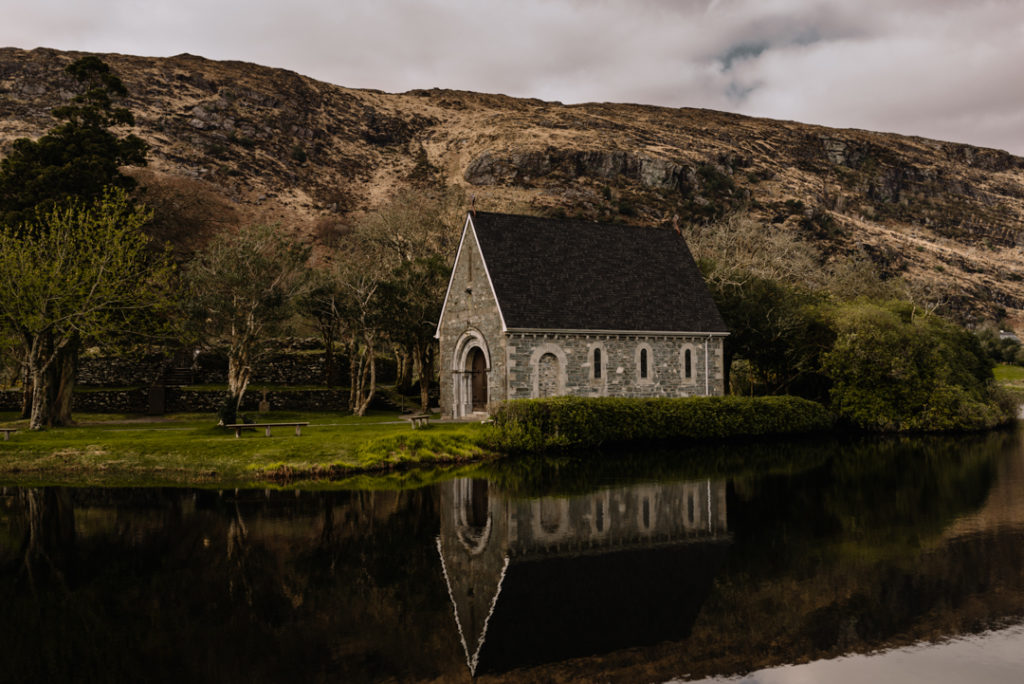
x=947, y=69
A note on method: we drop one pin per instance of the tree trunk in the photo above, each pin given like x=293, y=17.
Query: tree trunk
x=239, y=371
x=328, y=337
x=403, y=377
x=426, y=363
x=65, y=373
x=366, y=385
x=353, y=375
x=26, y=391
x=40, y=414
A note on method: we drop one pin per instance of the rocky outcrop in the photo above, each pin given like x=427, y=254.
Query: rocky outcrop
x=236, y=143
x=526, y=166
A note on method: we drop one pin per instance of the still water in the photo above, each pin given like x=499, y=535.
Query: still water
x=876, y=560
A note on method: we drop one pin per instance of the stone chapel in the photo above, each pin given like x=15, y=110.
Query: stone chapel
x=541, y=307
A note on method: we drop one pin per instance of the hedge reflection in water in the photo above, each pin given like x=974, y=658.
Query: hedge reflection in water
x=814, y=549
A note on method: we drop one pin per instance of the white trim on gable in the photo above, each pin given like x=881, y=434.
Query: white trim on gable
x=451, y=278
x=487, y=271
x=462, y=241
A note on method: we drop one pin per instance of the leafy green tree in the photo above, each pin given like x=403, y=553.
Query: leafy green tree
x=998, y=348
x=79, y=158
x=244, y=286
x=322, y=304
x=894, y=368
x=414, y=237
x=412, y=300
x=780, y=330
x=76, y=161
x=78, y=271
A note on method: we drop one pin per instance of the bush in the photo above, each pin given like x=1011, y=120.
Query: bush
x=524, y=425
x=895, y=369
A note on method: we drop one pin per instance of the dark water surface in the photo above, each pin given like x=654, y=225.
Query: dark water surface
x=873, y=560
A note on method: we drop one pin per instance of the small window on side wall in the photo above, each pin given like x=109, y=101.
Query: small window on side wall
x=597, y=363
x=643, y=364
x=688, y=364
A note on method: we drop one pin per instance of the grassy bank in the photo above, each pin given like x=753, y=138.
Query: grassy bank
x=1011, y=380
x=188, y=449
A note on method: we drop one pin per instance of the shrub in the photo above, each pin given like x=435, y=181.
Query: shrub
x=525, y=425
x=895, y=369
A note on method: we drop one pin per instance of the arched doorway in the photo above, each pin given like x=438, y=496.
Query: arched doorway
x=471, y=368
x=476, y=366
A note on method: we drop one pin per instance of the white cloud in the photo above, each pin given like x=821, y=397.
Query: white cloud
x=937, y=68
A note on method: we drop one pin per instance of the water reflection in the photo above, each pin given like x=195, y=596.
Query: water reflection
x=548, y=578
x=627, y=568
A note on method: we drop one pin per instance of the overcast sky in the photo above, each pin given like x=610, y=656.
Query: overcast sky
x=947, y=69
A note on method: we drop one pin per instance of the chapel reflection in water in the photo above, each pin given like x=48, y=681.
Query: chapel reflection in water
x=536, y=580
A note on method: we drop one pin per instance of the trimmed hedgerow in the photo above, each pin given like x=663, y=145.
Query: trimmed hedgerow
x=568, y=422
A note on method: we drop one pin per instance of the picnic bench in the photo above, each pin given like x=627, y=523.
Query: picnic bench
x=7, y=432
x=238, y=427
x=419, y=420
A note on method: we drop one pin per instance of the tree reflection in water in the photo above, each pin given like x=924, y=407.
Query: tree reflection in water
x=657, y=565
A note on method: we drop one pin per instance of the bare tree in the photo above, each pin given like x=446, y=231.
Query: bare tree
x=244, y=286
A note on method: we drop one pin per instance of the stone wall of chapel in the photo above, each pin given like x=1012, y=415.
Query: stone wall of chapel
x=471, y=306
x=620, y=360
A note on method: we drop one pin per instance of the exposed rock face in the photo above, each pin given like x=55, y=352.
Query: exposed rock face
x=235, y=143
x=521, y=167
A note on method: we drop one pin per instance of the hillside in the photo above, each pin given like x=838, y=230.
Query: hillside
x=234, y=142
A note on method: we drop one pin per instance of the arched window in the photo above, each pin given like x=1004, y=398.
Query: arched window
x=597, y=363
x=688, y=364
x=645, y=369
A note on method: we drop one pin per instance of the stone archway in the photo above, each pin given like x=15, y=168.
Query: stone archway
x=549, y=370
x=471, y=371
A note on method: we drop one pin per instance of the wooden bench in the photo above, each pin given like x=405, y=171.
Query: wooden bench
x=419, y=420
x=7, y=432
x=238, y=427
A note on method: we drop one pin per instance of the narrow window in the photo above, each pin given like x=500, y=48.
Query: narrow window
x=597, y=364
x=688, y=363
x=643, y=364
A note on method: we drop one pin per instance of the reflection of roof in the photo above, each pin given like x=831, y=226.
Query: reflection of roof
x=551, y=609
x=577, y=275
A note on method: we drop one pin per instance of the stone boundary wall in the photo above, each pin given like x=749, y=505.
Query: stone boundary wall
x=211, y=368
x=198, y=401
x=208, y=369
x=118, y=371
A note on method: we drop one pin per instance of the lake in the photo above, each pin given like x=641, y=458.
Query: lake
x=880, y=559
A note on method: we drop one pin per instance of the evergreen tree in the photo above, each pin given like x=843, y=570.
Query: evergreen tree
x=77, y=159
x=76, y=162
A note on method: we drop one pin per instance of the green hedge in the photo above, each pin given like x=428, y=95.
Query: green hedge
x=560, y=422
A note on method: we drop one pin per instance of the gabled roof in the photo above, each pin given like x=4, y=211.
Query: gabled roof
x=551, y=274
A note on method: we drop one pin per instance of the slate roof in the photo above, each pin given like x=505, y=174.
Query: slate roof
x=552, y=274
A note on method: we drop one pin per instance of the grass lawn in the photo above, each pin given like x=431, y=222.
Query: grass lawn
x=189, y=449
x=1006, y=374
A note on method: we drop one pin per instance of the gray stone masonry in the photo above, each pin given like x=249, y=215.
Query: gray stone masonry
x=620, y=364
x=471, y=318
x=527, y=364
